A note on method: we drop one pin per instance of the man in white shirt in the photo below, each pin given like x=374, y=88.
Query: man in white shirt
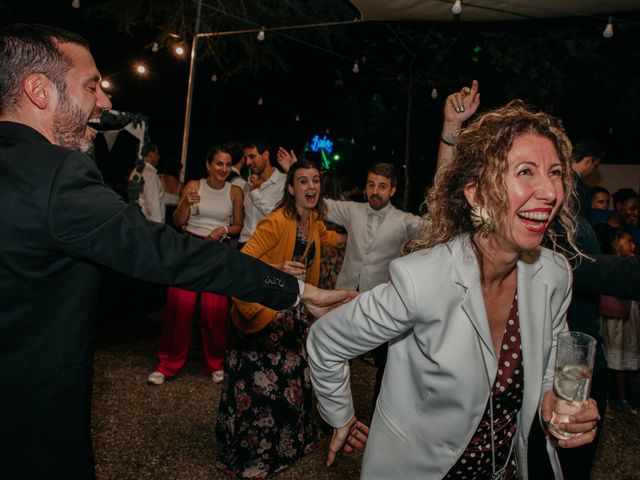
x=264, y=188
x=376, y=231
x=150, y=199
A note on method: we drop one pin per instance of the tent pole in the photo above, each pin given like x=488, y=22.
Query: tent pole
x=187, y=113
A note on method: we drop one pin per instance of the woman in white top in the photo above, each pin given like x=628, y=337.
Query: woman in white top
x=210, y=208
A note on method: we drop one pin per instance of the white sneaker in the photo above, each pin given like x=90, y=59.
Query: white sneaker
x=155, y=378
x=217, y=376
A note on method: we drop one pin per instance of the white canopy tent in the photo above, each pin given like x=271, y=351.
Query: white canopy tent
x=488, y=10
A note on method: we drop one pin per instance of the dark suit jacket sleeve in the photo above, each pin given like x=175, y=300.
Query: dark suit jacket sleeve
x=609, y=275
x=88, y=220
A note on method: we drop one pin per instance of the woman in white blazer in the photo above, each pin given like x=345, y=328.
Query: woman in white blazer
x=472, y=316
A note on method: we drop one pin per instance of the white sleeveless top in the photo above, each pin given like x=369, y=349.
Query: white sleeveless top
x=216, y=209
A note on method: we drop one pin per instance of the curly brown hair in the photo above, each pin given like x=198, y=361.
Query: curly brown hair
x=480, y=156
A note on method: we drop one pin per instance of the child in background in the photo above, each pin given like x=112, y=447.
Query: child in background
x=620, y=324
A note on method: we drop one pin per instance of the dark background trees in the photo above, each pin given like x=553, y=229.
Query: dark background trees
x=562, y=65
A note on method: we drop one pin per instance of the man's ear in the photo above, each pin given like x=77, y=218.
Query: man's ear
x=393, y=191
x=38, y=89
x=471, y=193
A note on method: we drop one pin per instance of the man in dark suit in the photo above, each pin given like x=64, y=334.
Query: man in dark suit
x=600, y=275
x=587, y=156
x=61, y=223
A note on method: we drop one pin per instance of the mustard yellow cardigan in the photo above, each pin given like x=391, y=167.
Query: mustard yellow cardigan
x=273, y=242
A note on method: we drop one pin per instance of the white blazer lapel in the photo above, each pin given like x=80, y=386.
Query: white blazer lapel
x=532, y=312
x=467, y=274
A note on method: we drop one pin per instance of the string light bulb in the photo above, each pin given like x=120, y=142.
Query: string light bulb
x=297, y=118
x=214, y=78
x=260, y=36
x=356, y=67
x=434, y=93
x=608, y=30
x=179, y=50
x=260, y=101
x=353, y=140
x=155, y=47
x=105, y=84
x=456, y=9
x=141, y=69
x=75, y=3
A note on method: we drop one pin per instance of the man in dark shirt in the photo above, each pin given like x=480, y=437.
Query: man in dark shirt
x=61, y=223
x=587, y=155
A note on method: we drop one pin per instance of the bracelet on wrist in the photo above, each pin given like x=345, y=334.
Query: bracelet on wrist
x=447, y=141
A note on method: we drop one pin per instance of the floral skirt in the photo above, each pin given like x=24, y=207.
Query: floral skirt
x=265, y=420
x=331, y=260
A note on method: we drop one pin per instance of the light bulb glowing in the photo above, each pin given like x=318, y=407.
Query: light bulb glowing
x=353, y=141
x=457, y=7
x=214, y=78
x=356, y=67
x=155, y=47
x=297, y=118
x=141, y=69
x=179, y=51
x=434, y=93
x=105, y=84
x=260, y=101
x=75, y=4
x=608, y=30
x=260, y=36
x=373, y=148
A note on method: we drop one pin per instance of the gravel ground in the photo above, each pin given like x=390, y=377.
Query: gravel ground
x=166, y=432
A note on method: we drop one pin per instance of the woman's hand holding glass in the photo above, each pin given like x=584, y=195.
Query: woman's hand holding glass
x=193, y=197
x=581, y=424
x=291, y=267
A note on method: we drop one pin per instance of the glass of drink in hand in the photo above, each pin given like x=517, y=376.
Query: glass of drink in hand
x=194, y=208
x=572, y=379
x=303, y=260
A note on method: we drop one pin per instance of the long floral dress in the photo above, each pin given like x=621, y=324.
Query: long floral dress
x=265, y=418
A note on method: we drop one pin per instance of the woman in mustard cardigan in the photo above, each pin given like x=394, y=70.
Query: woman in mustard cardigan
x=265, y=419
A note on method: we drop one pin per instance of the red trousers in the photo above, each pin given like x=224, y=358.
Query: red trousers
x=177, y=326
